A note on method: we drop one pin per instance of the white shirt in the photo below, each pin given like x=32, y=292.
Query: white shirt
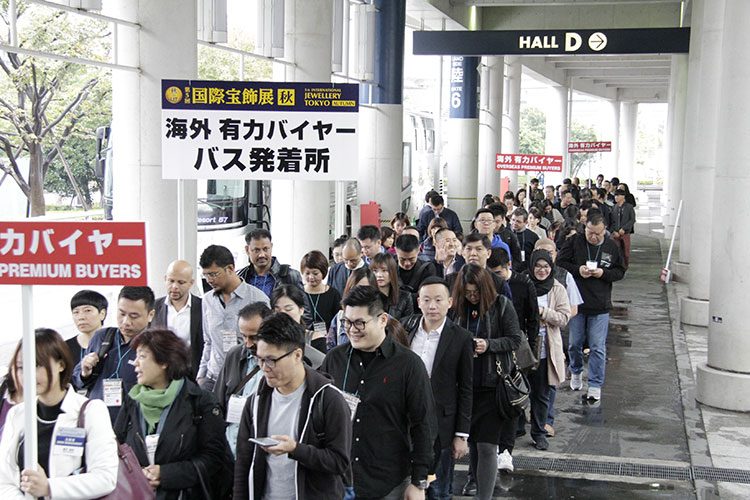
x=425, y=344
x=574, y=295
x=179, y=321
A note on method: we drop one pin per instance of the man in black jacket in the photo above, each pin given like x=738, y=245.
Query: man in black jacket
x=264, y=271
x=180, y=311
x=411, y=270
x=499, y=212
x=388, y=386
x=623, y=224
x=306, y=416
x=595, y=262
x=447, y=351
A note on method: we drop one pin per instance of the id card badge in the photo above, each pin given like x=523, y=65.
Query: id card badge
x=523, y=255
x=69, y=441
x=319, y=327
x=352, y=401
x=229, y=339
x=235, y=407
x=152, y=441
x=113, y=391
x=591, y=265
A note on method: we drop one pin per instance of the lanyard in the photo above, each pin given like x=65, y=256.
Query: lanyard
x=315, y=305
x=588, y=251
x=346, y=374
x=116, y=373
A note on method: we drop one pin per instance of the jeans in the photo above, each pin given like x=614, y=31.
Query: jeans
x=592, y=328
x=539, y=396
x=551, y=405
x=442, y=487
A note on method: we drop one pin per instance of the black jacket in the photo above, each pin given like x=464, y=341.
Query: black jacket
x=525, y=304
x=283, y=274
x=232, y=374
x=322, y=455
x=404, y=306
x=337, y=276
x=193, y=432
x=596, y=292
x=510, y=239
x=504, y=336
x=196, y=328
x=451, y=378
x=440, y=270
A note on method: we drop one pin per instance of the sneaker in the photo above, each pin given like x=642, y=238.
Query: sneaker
x=541, y=443
x=469, y=489
x=576, y=381
x=505, y=461
x=595, y=393
x=549, y=430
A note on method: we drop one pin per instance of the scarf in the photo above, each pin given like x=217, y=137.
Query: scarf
x=153, y=401
x=542, y=287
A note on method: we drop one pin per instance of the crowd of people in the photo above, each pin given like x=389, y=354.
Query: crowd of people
x=366, y=376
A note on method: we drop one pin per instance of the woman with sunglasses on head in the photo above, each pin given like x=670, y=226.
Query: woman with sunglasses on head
x=73, y=462
x=175, y=428
x=492, y=321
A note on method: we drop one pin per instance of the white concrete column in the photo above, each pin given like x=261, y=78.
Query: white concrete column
x=300, y=210
x=694, y=307
x=462, y=158
x=490, y=123
x=615, y=154
x=164, y=47
x=628, y=127
x=692, y=132
x=556, y=136
x=675, y=140
x=724, y=382
x=511, y=114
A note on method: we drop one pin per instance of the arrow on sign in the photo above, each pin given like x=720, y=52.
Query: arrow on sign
x=597, y=41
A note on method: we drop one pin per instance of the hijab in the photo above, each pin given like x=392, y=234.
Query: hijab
x=542, y=287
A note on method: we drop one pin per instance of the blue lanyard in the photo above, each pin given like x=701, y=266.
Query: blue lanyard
x=315, y=305
x=116, y=373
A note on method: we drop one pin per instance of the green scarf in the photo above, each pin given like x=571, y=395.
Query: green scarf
x=153, y=401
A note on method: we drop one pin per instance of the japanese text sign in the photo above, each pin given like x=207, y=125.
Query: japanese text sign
x=589, y=147
x=259, y=130
x=73, y=253
x=536, y=163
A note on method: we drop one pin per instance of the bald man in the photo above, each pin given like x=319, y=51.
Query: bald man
x=352, y=259
x=180, y=311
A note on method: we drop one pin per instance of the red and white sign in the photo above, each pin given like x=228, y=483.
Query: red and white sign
x=73, y=253
x=536, y=163
x=589, y=147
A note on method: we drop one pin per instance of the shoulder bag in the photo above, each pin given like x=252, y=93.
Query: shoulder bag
x=131, y=483
x=512, y=391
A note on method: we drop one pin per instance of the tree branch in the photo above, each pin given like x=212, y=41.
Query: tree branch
x=82, y=95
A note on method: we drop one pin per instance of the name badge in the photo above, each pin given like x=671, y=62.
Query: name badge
x=352, y=401
x=113, y=392
x=591, y=265
x=152, y=441
x=69, y=441
x=229, y=339
x=319, y=327
x=523, y=255
x=235, y=407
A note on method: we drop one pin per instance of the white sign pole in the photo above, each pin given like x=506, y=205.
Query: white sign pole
x=29, y=380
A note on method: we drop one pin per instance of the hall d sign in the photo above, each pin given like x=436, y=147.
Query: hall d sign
x=549, y=42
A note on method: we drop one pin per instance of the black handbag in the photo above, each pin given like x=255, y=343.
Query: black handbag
x=512, y=391
x=526, y=358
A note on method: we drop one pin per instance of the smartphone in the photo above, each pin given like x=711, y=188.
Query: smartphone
x=264, y=441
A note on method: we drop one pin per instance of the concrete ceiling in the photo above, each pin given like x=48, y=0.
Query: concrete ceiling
x=641, y=78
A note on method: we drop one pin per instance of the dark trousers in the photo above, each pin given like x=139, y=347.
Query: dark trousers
x=539, y=398
x=442, y=487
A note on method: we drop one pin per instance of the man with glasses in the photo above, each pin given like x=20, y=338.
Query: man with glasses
x=228, y=294
x=388, y=390
x=265, y=272
x=302, y=412
x=595, y=262
x=485, y=223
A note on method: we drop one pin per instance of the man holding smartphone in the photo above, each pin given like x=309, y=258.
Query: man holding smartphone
x=305, y=417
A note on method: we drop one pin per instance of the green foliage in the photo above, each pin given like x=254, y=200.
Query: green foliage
x=581, y=132
x=218, y=64
x=532, y=131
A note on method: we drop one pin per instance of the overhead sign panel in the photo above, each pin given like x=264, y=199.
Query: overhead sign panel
x=553, y=42
x=534, y=163
x=73, y=253
x=589, y=147
x=259, y=130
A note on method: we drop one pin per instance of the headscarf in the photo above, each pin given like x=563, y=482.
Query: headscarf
x=542, y=287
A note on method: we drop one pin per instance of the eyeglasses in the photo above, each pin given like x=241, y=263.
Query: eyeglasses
x=541, y=266
x=357, y=324
x=485, y=221
x=471, y=293
x=213, y=274
x=271, y=362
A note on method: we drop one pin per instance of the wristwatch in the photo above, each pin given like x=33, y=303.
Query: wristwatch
x=422, y=484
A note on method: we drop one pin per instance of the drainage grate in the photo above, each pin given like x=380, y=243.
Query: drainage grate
x=630, y=469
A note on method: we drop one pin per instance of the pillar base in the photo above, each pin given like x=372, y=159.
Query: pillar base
x=723, y=389
x=681, y=271
x=694, y=312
